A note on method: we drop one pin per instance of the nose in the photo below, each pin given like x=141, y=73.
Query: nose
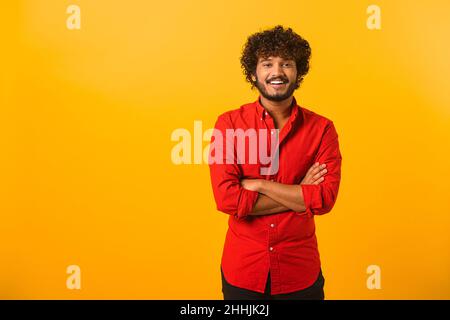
x=278, y=71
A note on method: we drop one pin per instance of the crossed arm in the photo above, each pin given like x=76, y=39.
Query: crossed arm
x=275, y=197
x=241, y=197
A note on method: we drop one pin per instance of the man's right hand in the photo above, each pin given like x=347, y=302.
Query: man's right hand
x=315, y=174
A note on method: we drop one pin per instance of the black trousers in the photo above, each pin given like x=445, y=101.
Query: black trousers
x=314, y=292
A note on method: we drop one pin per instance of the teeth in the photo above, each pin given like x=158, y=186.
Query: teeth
x=276, y=82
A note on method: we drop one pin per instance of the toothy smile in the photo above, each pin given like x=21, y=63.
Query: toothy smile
x=276, y=82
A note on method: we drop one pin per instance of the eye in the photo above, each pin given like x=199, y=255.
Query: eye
x=267, y=64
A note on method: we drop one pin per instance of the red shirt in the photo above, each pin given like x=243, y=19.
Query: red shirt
x=284, y=243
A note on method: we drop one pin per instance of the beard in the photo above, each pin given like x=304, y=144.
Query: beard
x=292, y=86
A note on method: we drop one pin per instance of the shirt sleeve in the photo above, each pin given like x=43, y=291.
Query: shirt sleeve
x=230, y=196
x=320, y=199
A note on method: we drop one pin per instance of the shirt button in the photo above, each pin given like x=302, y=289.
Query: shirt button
x=272, y=225
x=271, y=249
x=266, y=113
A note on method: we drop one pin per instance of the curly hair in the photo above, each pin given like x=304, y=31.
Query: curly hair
x=277, y=42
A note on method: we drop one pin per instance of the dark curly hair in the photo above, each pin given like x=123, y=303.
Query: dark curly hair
x=277, y=42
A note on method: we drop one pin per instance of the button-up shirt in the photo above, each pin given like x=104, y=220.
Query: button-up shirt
x=284, y=243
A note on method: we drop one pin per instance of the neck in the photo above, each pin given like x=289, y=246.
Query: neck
x=278, y=110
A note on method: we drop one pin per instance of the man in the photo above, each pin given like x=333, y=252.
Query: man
x=270, y=249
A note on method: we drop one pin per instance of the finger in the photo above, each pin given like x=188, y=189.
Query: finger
x=319, y=174
x=318, y=180
x=315, y=165
x=317, y=169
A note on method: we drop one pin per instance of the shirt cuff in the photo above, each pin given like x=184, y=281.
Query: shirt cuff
x=246, y=202
x=312, y=196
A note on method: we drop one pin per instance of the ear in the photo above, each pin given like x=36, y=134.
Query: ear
x=253, y=78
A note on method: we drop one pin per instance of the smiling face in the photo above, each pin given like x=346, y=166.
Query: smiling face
x=276, y=78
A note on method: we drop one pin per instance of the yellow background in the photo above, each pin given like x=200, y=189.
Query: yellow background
x=87, y=115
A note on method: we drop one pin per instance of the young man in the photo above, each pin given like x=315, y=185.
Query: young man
x=270, y=249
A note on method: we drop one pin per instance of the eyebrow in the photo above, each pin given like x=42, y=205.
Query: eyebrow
x=269, y=59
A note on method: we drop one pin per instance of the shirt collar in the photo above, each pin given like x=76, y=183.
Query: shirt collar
x=262, y=112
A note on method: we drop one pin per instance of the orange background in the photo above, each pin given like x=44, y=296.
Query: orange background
x=87, y=115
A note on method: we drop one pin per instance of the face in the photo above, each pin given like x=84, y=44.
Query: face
x=276, y=78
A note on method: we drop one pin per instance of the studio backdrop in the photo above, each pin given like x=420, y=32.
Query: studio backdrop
x=97, y=203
